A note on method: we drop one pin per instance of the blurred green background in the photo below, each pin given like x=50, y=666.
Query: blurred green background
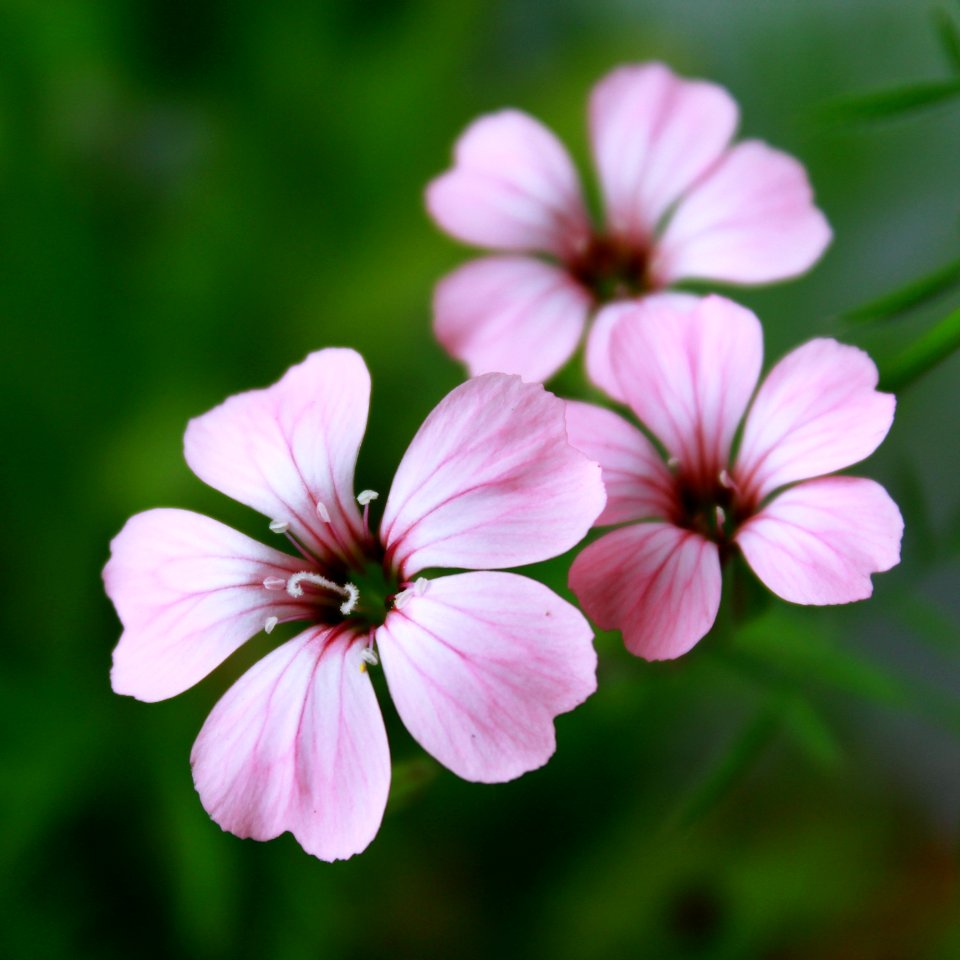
x=197, y=194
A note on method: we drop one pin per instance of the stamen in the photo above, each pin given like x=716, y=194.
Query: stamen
x=274, y=583
x=279, y=526
x=353, y=595
x=365, y=496
x=348, y=590
x=418, y=589
x=270, y=624
x=322, y=512
x=368, y=656
x=673, y=464
x=726, y=481
x=721, y=517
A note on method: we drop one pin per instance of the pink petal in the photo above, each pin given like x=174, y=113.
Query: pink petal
x=490, y=481
x=512, y=187
x=656, y=583
x=287, y=448
x=189, y=591
x=639, y=485
x=750, y=220
x=479, y=666
x=819, y=542
x=653, y=135
x=688, y=374
x=510, y=315
x=817, y=411
x=298, y=744
x=599, y=364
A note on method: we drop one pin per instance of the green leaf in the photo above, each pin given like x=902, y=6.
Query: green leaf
x=922, y=355
x=888, y=104
x=907, y=297
x=409, y=779
x=778, y=650
x=808, y=729
x=733, y=763
x=949, y=34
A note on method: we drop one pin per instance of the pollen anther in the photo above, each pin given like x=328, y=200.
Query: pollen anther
x=274, y=583
x=365, y=496
x=270, y=624
x=279, y=526
x=322, y=512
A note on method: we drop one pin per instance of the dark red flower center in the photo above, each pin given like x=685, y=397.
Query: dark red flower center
x=612, y=268
x=713, y=508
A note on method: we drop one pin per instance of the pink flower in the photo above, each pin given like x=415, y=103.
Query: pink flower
x=812, y=539
x=478, y=663
x=680, y=203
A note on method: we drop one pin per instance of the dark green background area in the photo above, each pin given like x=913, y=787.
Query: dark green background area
x=195, y=195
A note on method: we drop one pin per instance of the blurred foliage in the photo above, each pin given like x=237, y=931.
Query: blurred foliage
x=195, y=195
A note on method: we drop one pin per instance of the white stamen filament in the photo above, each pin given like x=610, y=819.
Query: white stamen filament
x=365, y=496
x=279, y=526
x=418, y=589
x=348, y=590
x=322, y=512
x=274, y=583
x=270, y=624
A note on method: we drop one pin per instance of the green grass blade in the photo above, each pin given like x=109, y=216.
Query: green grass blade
x=888, y=104
x=730, y=767
x=922, y=355
x=904, y=298
x=949, y=34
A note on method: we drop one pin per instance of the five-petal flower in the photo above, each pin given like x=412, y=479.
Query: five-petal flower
x=688, y=376
x=680, y=204
x=479, y=663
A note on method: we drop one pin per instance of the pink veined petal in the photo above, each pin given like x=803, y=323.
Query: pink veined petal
x=298, y=744
x=639, y=485
x=688, y=375
x=189, y=591
x=818, y=542
x=817, y=411
x=481, y=664
x=510, y=315
x=599, y=364
x=750, y=220
x=490, y=481
x=653, y=135
x=512, y=187
x=284, y=449
x=657, y=584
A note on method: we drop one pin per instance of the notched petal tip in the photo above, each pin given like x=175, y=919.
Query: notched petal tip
x=490, y=481
x=820, y=542
x=298, y=745
x=480, y=668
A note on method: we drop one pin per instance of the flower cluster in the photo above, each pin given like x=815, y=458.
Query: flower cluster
x=479, y=663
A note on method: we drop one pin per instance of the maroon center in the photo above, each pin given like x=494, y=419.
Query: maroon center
x=714, y=509
x=612, y=268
